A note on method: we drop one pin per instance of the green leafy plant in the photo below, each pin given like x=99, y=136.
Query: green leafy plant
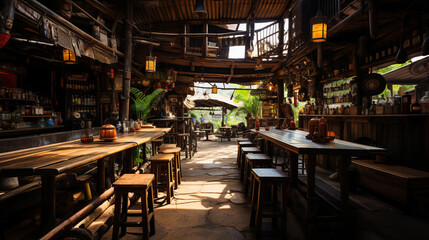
x=252, y=106
x=143, y=104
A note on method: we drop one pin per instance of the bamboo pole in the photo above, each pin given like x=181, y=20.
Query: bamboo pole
x=67, y=224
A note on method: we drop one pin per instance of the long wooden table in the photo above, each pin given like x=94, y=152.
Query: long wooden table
x=296, y=143
x=51, y=160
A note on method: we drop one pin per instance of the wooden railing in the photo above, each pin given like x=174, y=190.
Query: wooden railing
x=267, y=39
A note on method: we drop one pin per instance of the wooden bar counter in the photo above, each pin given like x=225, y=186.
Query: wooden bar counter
x=296, y=143
x=51, y=160
x=404, y=136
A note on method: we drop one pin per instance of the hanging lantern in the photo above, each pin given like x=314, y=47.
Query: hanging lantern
x=112, y=73
x=200, y=8
x=319, y=28
x=214, y=89
x=150, y=64
x=270, y=86
x=69, y=57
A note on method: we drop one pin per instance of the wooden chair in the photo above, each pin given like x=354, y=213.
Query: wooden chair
x=244, y=151
x=137, y=183
x=162, y=167
x=257, y=160
x=177, y=169
x=264, y=179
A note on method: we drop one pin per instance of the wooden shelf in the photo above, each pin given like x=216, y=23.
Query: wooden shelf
x=36, y=116
x=29, y=129
x=22, y=100
x=364, y=116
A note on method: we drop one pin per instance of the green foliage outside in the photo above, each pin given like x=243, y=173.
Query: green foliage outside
x=251, y=105
x=143, y=104
x=395, y=88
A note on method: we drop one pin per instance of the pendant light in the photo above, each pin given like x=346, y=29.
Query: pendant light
x=402, y=56
x=270, y=86
x=319, y=28
x=200, y=8
x=150, y=63
x=214, y=89
x=68, y=56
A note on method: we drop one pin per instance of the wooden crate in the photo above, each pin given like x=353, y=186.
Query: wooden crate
x=401, y=184
x=355, y=110
x=379, y=110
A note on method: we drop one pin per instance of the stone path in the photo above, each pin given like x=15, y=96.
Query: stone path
x=209, y=203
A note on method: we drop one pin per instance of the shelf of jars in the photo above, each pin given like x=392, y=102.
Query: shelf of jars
x=400, y=105
x=22, y=110
x=81, y=100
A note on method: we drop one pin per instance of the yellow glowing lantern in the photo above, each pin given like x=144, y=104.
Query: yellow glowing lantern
x=69, y=57
x=270, y=86
x=319, y=28
x=214, y=89
x=150, y=64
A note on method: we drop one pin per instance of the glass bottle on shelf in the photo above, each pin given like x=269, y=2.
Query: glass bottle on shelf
x=424, y=103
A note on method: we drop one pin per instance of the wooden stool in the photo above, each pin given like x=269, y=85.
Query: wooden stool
x=183, y=139
x=156, y=143
x=161, y=165
x=177, y=165
x=242, y=140
x=264, y=179
x=244, y=151
x=240, y=145
x=167, y=145
x=257, y=160
x=137, y=183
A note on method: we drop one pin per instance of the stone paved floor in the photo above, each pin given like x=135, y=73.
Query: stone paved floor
x=209, y=203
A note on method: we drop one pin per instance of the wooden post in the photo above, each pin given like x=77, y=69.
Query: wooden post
x=281, y=36
x=101, y=172
x=205, y=40
x=223, y=115
x=47, y=217
x=185, y=40
x=125, y=108
x=280, y=99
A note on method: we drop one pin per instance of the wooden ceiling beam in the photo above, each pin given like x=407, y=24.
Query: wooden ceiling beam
x=173, y=59
x=208, y=21
x=104, y=9
x=218, y=75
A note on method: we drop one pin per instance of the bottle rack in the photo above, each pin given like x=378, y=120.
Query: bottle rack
x=81, y=100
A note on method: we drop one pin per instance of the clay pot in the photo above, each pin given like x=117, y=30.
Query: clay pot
x=108, y=132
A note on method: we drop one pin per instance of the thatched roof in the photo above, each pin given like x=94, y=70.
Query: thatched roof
x=213, y=100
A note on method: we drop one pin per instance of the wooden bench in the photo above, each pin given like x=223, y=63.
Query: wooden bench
x=401, y=184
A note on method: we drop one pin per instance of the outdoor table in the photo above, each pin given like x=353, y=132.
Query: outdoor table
x=227, y=131
x=208, y=131
x=51, y=160
x=296, y=143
